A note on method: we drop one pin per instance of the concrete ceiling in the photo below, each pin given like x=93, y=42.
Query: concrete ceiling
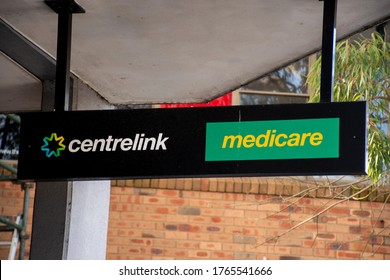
x=19, y=90
x=157, y=51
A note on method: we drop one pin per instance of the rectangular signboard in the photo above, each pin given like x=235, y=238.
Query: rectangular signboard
x=264, y=140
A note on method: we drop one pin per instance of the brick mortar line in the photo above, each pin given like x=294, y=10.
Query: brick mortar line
x=282, y=186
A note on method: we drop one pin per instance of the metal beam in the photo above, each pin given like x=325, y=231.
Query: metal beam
x=64, y=9
x=328, y=50
x=62, y=100
x=26, y=53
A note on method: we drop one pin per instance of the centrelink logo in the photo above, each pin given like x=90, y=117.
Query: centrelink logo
x=53, y=144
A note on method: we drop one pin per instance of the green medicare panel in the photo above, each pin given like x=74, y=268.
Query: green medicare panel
x=265, y=140
x=269, y=140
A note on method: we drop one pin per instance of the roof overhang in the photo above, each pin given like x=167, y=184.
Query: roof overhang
x=185, y=51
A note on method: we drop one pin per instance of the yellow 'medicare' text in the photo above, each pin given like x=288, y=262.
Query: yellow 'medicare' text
x=272, y=138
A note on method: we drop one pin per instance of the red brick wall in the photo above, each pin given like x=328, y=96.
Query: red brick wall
x=11, y=205
x=165, y=219
x=230, y=218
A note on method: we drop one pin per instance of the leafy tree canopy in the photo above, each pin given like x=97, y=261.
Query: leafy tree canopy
x=362, y=72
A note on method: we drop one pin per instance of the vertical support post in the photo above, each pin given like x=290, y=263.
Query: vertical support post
x=52, y=203
x=49, y=227
x=62, y=99
x=328, y=50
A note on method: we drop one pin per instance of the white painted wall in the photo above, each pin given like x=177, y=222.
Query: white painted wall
x=90, y=200
x=89, y=220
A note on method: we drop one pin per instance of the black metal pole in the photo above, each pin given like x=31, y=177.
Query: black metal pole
x=51, y=202
x=62, y=99
x=64, y=9
x=328, y=50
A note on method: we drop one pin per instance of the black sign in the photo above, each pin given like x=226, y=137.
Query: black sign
x=269, y=140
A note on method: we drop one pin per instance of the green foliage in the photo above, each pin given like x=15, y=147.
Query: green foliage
x=362, y=72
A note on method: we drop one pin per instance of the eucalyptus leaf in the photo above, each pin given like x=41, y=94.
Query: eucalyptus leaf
x=362, y=72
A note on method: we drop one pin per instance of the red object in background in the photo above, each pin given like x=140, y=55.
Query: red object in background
x=224, y=100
